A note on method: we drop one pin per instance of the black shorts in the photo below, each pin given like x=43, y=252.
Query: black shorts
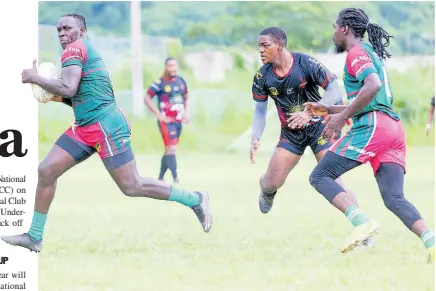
x=296, y=141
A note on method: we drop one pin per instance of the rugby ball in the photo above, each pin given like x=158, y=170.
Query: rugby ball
x=49, y=71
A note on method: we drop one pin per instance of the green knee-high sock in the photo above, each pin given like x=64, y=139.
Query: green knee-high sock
x=184, y=197
x=427, y=238
x=356, y=216
x=37, y=227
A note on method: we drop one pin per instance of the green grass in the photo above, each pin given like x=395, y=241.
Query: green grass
x=97, y=239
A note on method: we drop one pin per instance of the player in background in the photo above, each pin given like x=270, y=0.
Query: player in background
x=171, y=93
x=430, y=117
x=290, y=79
x=100, y=126
x=377, y=135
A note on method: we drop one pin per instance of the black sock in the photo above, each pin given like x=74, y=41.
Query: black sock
x=172, y=164
x=163, y=166
x=271, y=195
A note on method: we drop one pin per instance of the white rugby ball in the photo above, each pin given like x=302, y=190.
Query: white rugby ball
x=49, y=71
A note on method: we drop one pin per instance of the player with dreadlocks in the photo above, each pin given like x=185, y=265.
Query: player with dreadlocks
x=290, y=79
x=377, y=135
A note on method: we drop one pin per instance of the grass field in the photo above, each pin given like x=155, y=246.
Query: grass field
x=97, y=239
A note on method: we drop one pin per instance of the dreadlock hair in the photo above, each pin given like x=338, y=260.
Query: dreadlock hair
x=358, y=21
x=277, y=34
x=81, y=18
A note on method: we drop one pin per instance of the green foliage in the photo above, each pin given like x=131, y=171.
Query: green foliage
x=175, y=47
x=412, y=92
x=111, y=18
x=238, y=58
x=309, y=24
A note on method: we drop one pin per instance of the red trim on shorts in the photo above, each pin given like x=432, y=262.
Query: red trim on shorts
x=165, y=134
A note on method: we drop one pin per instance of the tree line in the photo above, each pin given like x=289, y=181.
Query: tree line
x=308, y=24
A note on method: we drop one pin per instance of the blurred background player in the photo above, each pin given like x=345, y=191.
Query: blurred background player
x=172, y=110
x=290, y=79
x=100, y=126
x=377, y=135
x=430, y=117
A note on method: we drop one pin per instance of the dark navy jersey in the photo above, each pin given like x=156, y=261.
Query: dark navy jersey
x=432, y=101
x=170, y=95
x=290, y=92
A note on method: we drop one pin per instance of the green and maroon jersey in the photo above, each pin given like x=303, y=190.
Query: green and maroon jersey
x=95, y=97
x=361, y=61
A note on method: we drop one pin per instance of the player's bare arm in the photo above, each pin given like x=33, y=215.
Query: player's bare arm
x=332, y=93
x=371, y=85
x=331, y=96
x=318, y=109
x=152, y=108
x=66, y=86
x=186, y=106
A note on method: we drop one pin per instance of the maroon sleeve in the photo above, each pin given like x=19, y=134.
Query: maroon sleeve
x=258, y=88
x=318, y=73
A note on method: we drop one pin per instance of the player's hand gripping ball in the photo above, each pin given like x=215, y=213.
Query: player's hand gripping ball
x=316, y=109
x=49, y=71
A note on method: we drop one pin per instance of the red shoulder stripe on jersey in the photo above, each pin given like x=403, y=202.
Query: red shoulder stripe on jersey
x=259, y=97
x=91, y=71
x=150, y=93
x=362, y=68
x=326, y=80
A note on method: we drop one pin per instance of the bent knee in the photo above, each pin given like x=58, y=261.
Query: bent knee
x=46, y=172
x=129, y=190
x=393, y=203
x=315, y=177
x=270, y=184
